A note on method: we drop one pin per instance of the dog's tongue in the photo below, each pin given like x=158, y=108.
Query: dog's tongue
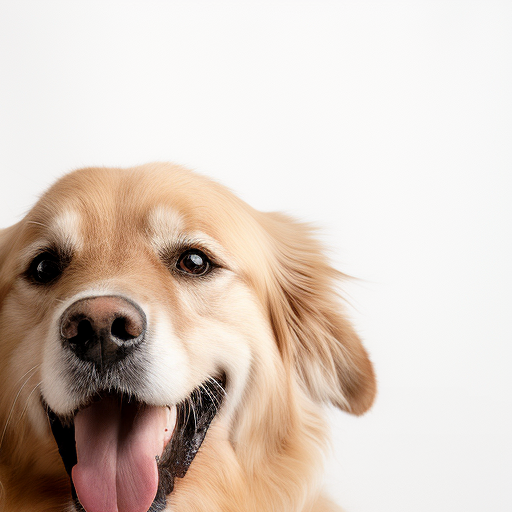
x=116, y=449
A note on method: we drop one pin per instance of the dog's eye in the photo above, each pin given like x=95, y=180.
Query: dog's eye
x=45, y=268
x=194, y=262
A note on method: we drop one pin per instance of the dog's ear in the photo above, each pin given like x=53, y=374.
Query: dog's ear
x=313, y=335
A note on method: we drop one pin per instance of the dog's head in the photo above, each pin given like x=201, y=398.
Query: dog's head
x=141, y=306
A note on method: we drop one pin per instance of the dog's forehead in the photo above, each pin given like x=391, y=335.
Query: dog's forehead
x=161, y=200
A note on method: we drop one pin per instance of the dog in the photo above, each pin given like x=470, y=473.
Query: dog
x=164, y=346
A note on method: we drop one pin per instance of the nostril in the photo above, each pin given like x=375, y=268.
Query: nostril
x=84, y=332
x=125, y=329
x=75, y=327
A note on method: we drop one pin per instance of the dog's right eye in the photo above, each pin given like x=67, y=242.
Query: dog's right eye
x=45, y=268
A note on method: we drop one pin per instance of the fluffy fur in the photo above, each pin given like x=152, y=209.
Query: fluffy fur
x=269, y=317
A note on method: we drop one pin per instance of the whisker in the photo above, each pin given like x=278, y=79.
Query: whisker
x=15, y=401
x=187, y=408
x=27, y=402
x=26, y=373
x=213, y=398
x=194, y=413
x=200, y=396
x=217, y=384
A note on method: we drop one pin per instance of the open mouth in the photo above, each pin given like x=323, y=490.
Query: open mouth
x=123, y=455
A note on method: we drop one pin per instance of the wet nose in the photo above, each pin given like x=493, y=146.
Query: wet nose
x=103, y=329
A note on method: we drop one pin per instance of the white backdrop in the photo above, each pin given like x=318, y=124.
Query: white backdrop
x=388, y=124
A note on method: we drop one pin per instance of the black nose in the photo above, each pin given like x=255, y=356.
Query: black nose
x=103, y=329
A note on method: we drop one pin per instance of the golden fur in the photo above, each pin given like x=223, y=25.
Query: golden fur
x=289, y=348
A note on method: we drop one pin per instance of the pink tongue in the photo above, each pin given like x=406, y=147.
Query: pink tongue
x=116, y=449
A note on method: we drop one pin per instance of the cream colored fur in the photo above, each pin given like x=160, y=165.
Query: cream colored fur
x=271, y=317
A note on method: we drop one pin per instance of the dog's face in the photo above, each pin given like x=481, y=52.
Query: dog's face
x=139, y=307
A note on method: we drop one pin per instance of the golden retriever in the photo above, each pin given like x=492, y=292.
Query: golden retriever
x=164, y=346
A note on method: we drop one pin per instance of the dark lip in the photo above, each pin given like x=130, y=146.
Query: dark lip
x=194, y=416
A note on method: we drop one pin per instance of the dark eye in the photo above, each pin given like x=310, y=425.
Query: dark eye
x=194, y=262
x=45, y=267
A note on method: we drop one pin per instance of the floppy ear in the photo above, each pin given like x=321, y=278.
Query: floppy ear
x=306, y=313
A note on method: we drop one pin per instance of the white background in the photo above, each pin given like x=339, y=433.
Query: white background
x=386, y=123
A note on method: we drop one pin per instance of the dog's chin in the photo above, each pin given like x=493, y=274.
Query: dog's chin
x=124, y=455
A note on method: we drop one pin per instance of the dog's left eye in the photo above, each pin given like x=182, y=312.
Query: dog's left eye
x=45, y=268
x=194, y=262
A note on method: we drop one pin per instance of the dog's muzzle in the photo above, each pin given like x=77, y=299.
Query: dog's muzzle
x=121, y=452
